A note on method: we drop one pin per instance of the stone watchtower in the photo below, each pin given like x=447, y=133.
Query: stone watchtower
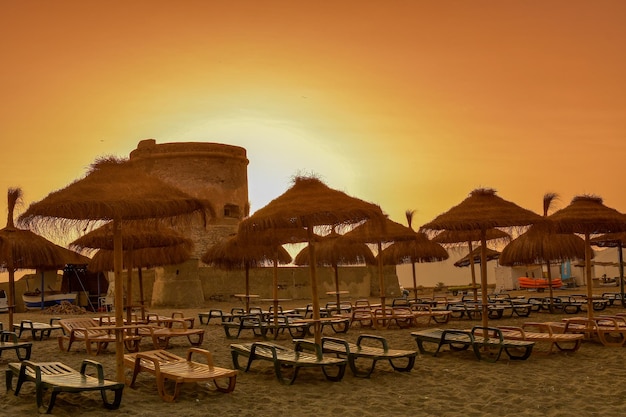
x=213, y=171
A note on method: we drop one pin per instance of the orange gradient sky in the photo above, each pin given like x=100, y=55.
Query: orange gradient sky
x=408, y=104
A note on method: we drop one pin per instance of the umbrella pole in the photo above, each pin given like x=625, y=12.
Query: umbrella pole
x=11, y=299
x=129, y=292
x=483, y=281
x=314, y=293
x=247, y=288
x=551, y=292
x=414, y=279
x=275, y=289
x=141, y=299
x=620, y=257
x=473, y=269
x=43, y=290
x=589, y=279
x=119, y=298
x=381, y=277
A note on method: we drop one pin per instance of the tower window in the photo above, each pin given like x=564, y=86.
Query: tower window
x=232, y=210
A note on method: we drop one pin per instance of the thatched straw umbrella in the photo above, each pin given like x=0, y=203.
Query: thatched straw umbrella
x=114, y=190
x=309, y=204
x=23, y=249
x=587, y=215
x=540, y=245
x=461, y=237
x=170, y=247
x=482, y=210
x=614, y=240
x=475, y=257
x=380, y=233
x=417, y=250
x=334, y=252
x=233, y=253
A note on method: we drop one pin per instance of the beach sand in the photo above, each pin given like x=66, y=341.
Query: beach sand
x=590, y=382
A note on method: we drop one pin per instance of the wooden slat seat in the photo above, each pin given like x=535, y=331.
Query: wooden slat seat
x=10, y=341
x=88, y=330
x=361, y=350
x=37, y=330
x=543, y=332
x=304, y=354
x=250, y=322
x=58, y=377
x=169, y=328
x=166, y=366
x=458, y=340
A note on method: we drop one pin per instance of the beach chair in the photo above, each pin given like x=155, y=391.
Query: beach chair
x=543, y=332
x=305, y=354
x=85, y=329
x=10, y=341
x=166, y=366
x=367, y=352
x=58, y=377
x=168, y=328
x=37, y=330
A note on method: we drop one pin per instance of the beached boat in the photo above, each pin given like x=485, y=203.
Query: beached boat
x=4, y=304
x=33, y=299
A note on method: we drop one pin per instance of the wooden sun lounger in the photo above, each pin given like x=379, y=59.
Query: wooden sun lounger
x=233, y=327
x=58, y=377
x=37, y=330
x=87, y=330
x=542, y=332
x=610, y=331
x=173, y=327
x=10, y=341
x=360, y=350
x=285, y=358
x=458, y=340
x=167, y=366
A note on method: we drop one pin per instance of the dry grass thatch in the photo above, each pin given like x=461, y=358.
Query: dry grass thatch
x=309, y=203
x=332, y=251
x=233, y=253
x=420, y=249
x=492, y=255
x=588, y=215
x=462, y=237
x=112, y=189
x=609, y=240
x=142, y=258
x=483, y=209
x=135, y=234
x=380, y=232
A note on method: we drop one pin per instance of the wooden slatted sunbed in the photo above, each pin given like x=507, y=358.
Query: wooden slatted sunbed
x=9, y=341
x=58, y=377
x=166, y=366
x=543, y=332
x=610, y=331
x=458, y=340
x=304, y=354
x=367, y=352
x=87, y=330
x=37, y=330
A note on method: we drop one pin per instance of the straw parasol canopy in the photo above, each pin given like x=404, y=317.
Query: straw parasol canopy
x=334, y=252
x=587, y=215
x=482, y=210
x=114, y=189
x=234, y=253
x=377, y=232
x=23, y=249
x=417, y=250
x=474, y=257
x=310, y=204
x=614, y=240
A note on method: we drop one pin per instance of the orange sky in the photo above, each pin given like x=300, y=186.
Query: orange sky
x=408, y=104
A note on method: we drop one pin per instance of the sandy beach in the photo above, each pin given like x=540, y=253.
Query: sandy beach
x=589, y=382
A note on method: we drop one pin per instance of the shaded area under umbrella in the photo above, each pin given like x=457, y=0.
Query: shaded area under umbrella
x=614, y=240
x=23, y=249
x=234, y=253
x=170, y=247
x=587, y=215
x=482, y=210
x=114, y=189
x=334, y=252
x=307, y=205
x=460, y=237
